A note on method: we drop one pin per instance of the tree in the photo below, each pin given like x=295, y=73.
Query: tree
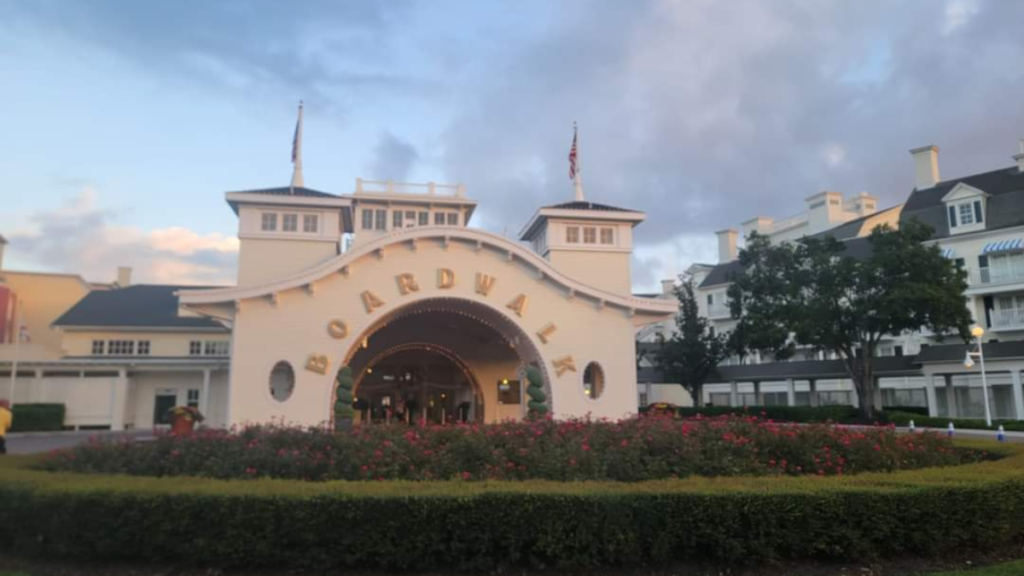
x=535, y=390
x=812, y=293
x=695, y=350
x=343, y=411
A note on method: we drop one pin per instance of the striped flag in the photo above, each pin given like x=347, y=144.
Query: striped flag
x=573, y=160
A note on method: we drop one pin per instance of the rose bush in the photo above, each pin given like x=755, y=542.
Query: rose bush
x=630, y=450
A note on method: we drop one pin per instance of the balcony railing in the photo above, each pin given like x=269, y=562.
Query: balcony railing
x=992, y=277
x=1008, y=319
x=719, y=311
x=391, y=187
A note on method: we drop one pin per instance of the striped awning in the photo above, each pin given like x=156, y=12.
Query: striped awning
x=1003, y=245
x=948, y=253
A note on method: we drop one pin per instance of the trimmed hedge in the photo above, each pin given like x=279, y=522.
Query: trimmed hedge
x=904, y=418
x=781, y=413
x=492, y=525
x=37, y=417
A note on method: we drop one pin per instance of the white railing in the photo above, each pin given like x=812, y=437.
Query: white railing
x=392, y=187
x=1008, y=318
x=990, y=276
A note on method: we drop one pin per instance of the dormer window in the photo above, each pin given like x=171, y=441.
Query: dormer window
x=965, y=209
x=965, y=214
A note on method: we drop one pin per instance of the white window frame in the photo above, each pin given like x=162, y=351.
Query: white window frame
x=268, y=221
x=380, y=219
x=589, y=235
x=143, y=347
x=607, y=236
x=367, y=219
x=290, y=222
x=98, y=347
x=195, y=348
x=572, y=234
x=310, y=223
x=453, y=219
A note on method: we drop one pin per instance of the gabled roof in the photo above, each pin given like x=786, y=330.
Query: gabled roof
x=852, y=229
x=289, y=191
x=139, y=306
x=1004, y=207
x=581, y=205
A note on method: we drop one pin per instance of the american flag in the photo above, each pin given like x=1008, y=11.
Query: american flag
x=298, y=132
x=573, y=166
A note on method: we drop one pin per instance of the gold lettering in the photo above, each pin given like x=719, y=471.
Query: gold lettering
x=563, y=365
x=407, y=283
x=337, y=329
x=546, y=332
x=445, y=278
x=484, y=283
x=371, y=301
x=518, y=304
x=317, y=363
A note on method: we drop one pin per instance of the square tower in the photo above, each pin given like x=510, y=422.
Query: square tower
x=590, y=242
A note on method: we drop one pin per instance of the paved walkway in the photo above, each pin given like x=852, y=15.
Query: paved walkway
x=41, y=442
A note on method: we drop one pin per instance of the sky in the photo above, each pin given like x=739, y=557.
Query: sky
x=123, y=123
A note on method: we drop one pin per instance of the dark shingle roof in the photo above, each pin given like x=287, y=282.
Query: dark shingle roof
x=288, y=191
x=818, y=369
x=143, y=305
x=1004, y=208
x=851, y=229
x=588, y=206
x=957, y=352
x=858, y=248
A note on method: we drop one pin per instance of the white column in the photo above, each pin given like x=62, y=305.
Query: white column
x=1018, y=394
x=37, y=390
x=790, y=392
x=119, y=400
x=954, y=410
x=813, y=384
x=929, y=390
x=734, y=394
x=854, y=396
x=758, y=396
x=204, y=398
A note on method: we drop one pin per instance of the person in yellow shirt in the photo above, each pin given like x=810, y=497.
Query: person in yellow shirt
x=5, y=423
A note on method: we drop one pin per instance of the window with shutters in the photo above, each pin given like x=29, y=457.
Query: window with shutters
x=965, y=209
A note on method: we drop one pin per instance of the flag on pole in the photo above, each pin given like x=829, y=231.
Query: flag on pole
x=297, y=153
x=573, y=160
x=295, y=139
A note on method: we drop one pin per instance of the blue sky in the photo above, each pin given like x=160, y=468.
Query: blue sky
x=122, y=123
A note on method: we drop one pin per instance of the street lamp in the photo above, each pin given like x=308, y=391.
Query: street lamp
x=978, y=332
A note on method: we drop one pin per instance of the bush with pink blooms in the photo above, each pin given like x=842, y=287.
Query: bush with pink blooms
x=630, y=450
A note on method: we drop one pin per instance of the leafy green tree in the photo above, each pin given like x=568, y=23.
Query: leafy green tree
x=812, y=293
x=693, y=353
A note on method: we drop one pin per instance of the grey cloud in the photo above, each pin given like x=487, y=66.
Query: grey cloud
x=393, y=158
x=707, y=113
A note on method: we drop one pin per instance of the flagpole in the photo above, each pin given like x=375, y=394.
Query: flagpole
x=577, y=176
x=297, y=154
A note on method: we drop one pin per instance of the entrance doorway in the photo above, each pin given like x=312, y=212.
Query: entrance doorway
x=164, y=401
x=440, y=360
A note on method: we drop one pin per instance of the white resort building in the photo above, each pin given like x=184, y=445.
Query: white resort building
x=437, y=320
x=979, y=224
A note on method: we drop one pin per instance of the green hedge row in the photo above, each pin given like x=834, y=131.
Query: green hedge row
x=37, y=417
x=904, y=418
x=274, y=524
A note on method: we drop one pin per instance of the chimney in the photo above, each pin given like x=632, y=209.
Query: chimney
x=668, y=286
x=761, y=225
x=124, y=276
x=926, y=167
x=865, y=204
x=727, y=251
x=1020, y=157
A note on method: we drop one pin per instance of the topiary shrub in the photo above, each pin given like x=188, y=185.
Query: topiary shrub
x=535, y=390
x=343, y=411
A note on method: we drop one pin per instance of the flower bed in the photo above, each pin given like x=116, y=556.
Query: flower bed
x=629, y=450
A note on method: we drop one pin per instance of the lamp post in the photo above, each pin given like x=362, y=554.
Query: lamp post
x=978, y=332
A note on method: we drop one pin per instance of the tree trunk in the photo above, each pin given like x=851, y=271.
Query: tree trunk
x=861, y=372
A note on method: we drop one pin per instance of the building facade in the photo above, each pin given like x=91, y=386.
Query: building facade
x=978, y=223
x=437, y=320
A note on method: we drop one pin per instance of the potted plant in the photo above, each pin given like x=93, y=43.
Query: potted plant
x=183, y=419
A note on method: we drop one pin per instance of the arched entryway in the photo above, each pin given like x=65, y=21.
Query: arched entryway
x=442, y=360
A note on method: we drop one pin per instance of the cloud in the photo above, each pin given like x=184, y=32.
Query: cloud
x=393, y=159
x=958, y=13
x=705, y=114
x=78, y=237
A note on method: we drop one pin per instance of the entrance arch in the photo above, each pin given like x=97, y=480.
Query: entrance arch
x=461, y=349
